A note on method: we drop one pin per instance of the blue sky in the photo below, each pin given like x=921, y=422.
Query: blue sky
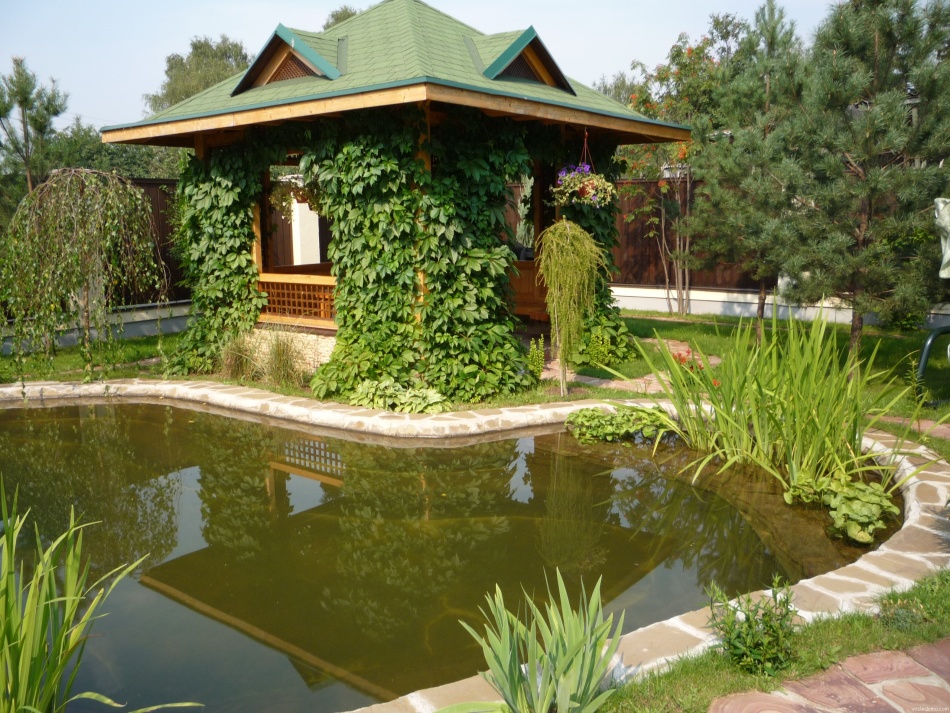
x=106, y=54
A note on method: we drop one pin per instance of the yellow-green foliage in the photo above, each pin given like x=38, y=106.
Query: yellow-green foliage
x=569, y=265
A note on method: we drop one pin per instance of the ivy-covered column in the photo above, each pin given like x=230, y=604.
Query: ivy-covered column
x=216, y=199
x=393, y=220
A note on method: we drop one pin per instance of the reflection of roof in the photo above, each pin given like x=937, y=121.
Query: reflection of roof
x=300, y=600
x=399, y=51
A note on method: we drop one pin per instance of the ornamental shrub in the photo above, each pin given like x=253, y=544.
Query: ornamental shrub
x=600, y=221
x=756, y=634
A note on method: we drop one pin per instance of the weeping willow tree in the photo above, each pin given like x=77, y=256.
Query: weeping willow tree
x=74, y=247
x=569, y=265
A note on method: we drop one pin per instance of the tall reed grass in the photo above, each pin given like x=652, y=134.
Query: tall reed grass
x=48, y=606
x=792, y=404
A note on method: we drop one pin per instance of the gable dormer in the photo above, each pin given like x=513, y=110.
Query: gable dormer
x=522, y=56
x=285, y=56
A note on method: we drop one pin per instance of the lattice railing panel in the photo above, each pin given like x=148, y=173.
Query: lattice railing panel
x=314, y=455
x=304, y=299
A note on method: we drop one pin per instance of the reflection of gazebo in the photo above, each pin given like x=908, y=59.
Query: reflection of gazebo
x=304, y=600
x=397, y=53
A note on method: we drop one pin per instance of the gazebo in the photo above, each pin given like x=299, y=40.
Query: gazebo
x=398, y=59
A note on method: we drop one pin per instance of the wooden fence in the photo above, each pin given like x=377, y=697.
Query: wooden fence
x=638, y=258
x=161, y=194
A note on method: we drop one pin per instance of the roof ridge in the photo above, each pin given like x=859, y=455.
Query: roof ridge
x=420, y=46
x=440, y=12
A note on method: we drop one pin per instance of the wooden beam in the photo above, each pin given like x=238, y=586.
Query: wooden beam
x=223, y=138
x=628, y=130
x=306, y=109
x=304, y=473
x=265, y=637
x=292, y=321
x=531, y=57
x=632, y=130
x=256, y=250
x=290, y=278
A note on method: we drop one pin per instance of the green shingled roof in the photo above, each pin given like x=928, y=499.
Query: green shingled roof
x=395, y=43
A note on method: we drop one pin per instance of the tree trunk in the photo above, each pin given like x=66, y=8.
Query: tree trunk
x=665, y=254
x=857, y=325
x=562, y=368
x=86, y=328
x=760, y=311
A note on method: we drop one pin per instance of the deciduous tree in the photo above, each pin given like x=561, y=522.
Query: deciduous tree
x=80, y=146
x=207, y=63
x=681, y=90
x=344, y=12
x=74, y=244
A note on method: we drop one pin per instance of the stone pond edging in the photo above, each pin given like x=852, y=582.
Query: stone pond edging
x=920, y=547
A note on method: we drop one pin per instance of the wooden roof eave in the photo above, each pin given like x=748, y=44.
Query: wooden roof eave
x=184, y=132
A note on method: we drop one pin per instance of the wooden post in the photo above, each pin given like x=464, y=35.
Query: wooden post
x=257, y=250
x=426, y=156
x=537, y=190
x=201, y=147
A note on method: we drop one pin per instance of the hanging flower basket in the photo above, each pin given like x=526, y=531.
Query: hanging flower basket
x=580, y=185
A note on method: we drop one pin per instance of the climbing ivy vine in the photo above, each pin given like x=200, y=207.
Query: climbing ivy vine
x=422, y=272
x=420, y=257
x=216, y=199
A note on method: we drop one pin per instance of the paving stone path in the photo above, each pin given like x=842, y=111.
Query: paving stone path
x=882, y=682
x=648, y=384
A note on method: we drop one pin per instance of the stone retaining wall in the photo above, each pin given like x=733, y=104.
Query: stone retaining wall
x=313, y=349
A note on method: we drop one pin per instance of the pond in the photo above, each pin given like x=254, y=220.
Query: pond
x=291, y=571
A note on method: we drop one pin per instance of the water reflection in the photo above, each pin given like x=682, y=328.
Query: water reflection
x=353, y=561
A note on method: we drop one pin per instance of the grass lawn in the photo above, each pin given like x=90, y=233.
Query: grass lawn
x=709, y=335
x=127, y=354
x=921, y=615
x=894, y=351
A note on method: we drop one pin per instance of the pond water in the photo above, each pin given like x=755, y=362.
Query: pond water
x=288, y=571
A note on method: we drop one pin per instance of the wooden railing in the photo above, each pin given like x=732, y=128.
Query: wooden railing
x=304, y=300
x=307, y=300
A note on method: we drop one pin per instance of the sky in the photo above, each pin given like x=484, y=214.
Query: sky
x=107, y=53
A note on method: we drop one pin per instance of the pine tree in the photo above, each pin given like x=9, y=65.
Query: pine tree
x=27, y=111
x=742, y=207
x=867, y=149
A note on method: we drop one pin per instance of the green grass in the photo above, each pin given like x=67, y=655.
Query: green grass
x=67, y=364
x=691, y=684
x=710, y=334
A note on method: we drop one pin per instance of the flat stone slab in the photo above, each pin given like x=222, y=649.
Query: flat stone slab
x=936, y=657
x=757, y=703
x=912, y=697
x=880, y=682
x=837, y=690
x=883, y=665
